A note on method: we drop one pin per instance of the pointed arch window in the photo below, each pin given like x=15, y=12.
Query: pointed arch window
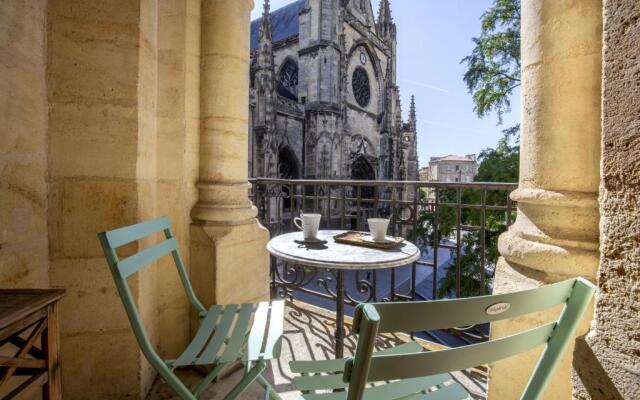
x=288, y=80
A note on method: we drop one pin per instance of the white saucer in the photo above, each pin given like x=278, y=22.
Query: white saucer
x=311, y=241
x=387, y=239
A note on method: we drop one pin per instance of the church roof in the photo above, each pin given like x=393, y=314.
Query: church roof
x=284, y=22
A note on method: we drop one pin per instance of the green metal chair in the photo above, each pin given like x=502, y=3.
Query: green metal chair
x=247, y=333
x=420, y=375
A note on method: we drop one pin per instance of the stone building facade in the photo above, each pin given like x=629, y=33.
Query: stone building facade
x=451, y=168
x=324, y=103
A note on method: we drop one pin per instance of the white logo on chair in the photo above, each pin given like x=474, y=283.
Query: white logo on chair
x=497, y=308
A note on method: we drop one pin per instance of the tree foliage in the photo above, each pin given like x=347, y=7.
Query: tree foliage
x=493, y=67
x=493, y=73
x=499, y=164
x=496, y=165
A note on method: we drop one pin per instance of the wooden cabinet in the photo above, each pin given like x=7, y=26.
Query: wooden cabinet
x=29, y=342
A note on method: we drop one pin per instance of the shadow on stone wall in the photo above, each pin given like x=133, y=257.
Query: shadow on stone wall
x=592, y=375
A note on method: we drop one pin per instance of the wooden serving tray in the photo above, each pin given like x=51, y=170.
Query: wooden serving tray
x=356, y=238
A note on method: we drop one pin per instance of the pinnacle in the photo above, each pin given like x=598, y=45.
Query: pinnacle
x=384, y=13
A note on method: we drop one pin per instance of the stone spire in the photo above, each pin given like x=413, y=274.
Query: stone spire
x=412, y=114
x=265, y=84
x=265, y=48
x=384, y=13
x=265, y=26
x=412, y=155
x=385, y=25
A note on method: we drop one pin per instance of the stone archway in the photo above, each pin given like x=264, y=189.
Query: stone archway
x=288, y=168
x=288, y=165
x=362, y=170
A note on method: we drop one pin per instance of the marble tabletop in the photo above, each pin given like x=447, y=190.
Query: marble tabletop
x=289, y=247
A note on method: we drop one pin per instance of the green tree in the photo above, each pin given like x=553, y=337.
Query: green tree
x=493, y=67
x=496, y=165
x=499, y=164
x=493, y=73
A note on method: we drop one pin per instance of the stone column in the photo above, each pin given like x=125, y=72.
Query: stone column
x=228, y=256
x=555, y=235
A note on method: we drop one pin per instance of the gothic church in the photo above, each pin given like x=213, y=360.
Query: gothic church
x=324, y=99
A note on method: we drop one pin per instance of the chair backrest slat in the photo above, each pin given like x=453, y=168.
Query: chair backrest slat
x=121, y=236
x=371, y=319
x=435, y=362
x=122, y=269
x=444, y=314
x=132, y=264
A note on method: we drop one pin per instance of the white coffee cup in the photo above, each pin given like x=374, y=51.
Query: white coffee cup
x=378, y=228
x=308, y=224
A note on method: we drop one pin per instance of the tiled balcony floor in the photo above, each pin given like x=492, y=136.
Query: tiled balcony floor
x=308, y=336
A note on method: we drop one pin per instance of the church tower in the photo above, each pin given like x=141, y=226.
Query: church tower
x=264, y=84
x=320, y=63
x=386, y=30
x=325, y=103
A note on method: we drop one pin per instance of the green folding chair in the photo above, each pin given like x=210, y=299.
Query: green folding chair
x=247, y=333
x=424, y=375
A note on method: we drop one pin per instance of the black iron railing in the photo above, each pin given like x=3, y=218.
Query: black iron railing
x=456, y=225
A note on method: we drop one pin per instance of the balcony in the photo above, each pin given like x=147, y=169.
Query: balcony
x=119, y=112
x=456, y=226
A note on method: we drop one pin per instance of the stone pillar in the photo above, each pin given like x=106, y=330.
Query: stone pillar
x=555, y=235
x=228, y=256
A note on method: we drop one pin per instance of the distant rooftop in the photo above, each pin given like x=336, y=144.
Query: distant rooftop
x=452, y=157
x=284, y=22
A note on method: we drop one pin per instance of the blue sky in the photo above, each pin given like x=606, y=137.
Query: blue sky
x=433, y=36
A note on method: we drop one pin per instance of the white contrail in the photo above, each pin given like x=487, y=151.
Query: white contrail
x=449, y=126
x=424, y=85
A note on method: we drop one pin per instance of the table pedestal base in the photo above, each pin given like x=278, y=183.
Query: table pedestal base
x=339, y=334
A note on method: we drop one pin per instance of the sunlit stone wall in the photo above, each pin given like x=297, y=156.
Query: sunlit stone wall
x=101, y=78
x=608, y=362
x=23, y=145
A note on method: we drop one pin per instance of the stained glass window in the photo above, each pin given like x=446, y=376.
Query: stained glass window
x=288, y=80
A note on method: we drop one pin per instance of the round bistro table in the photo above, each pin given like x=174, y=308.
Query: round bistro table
x=339, y=257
